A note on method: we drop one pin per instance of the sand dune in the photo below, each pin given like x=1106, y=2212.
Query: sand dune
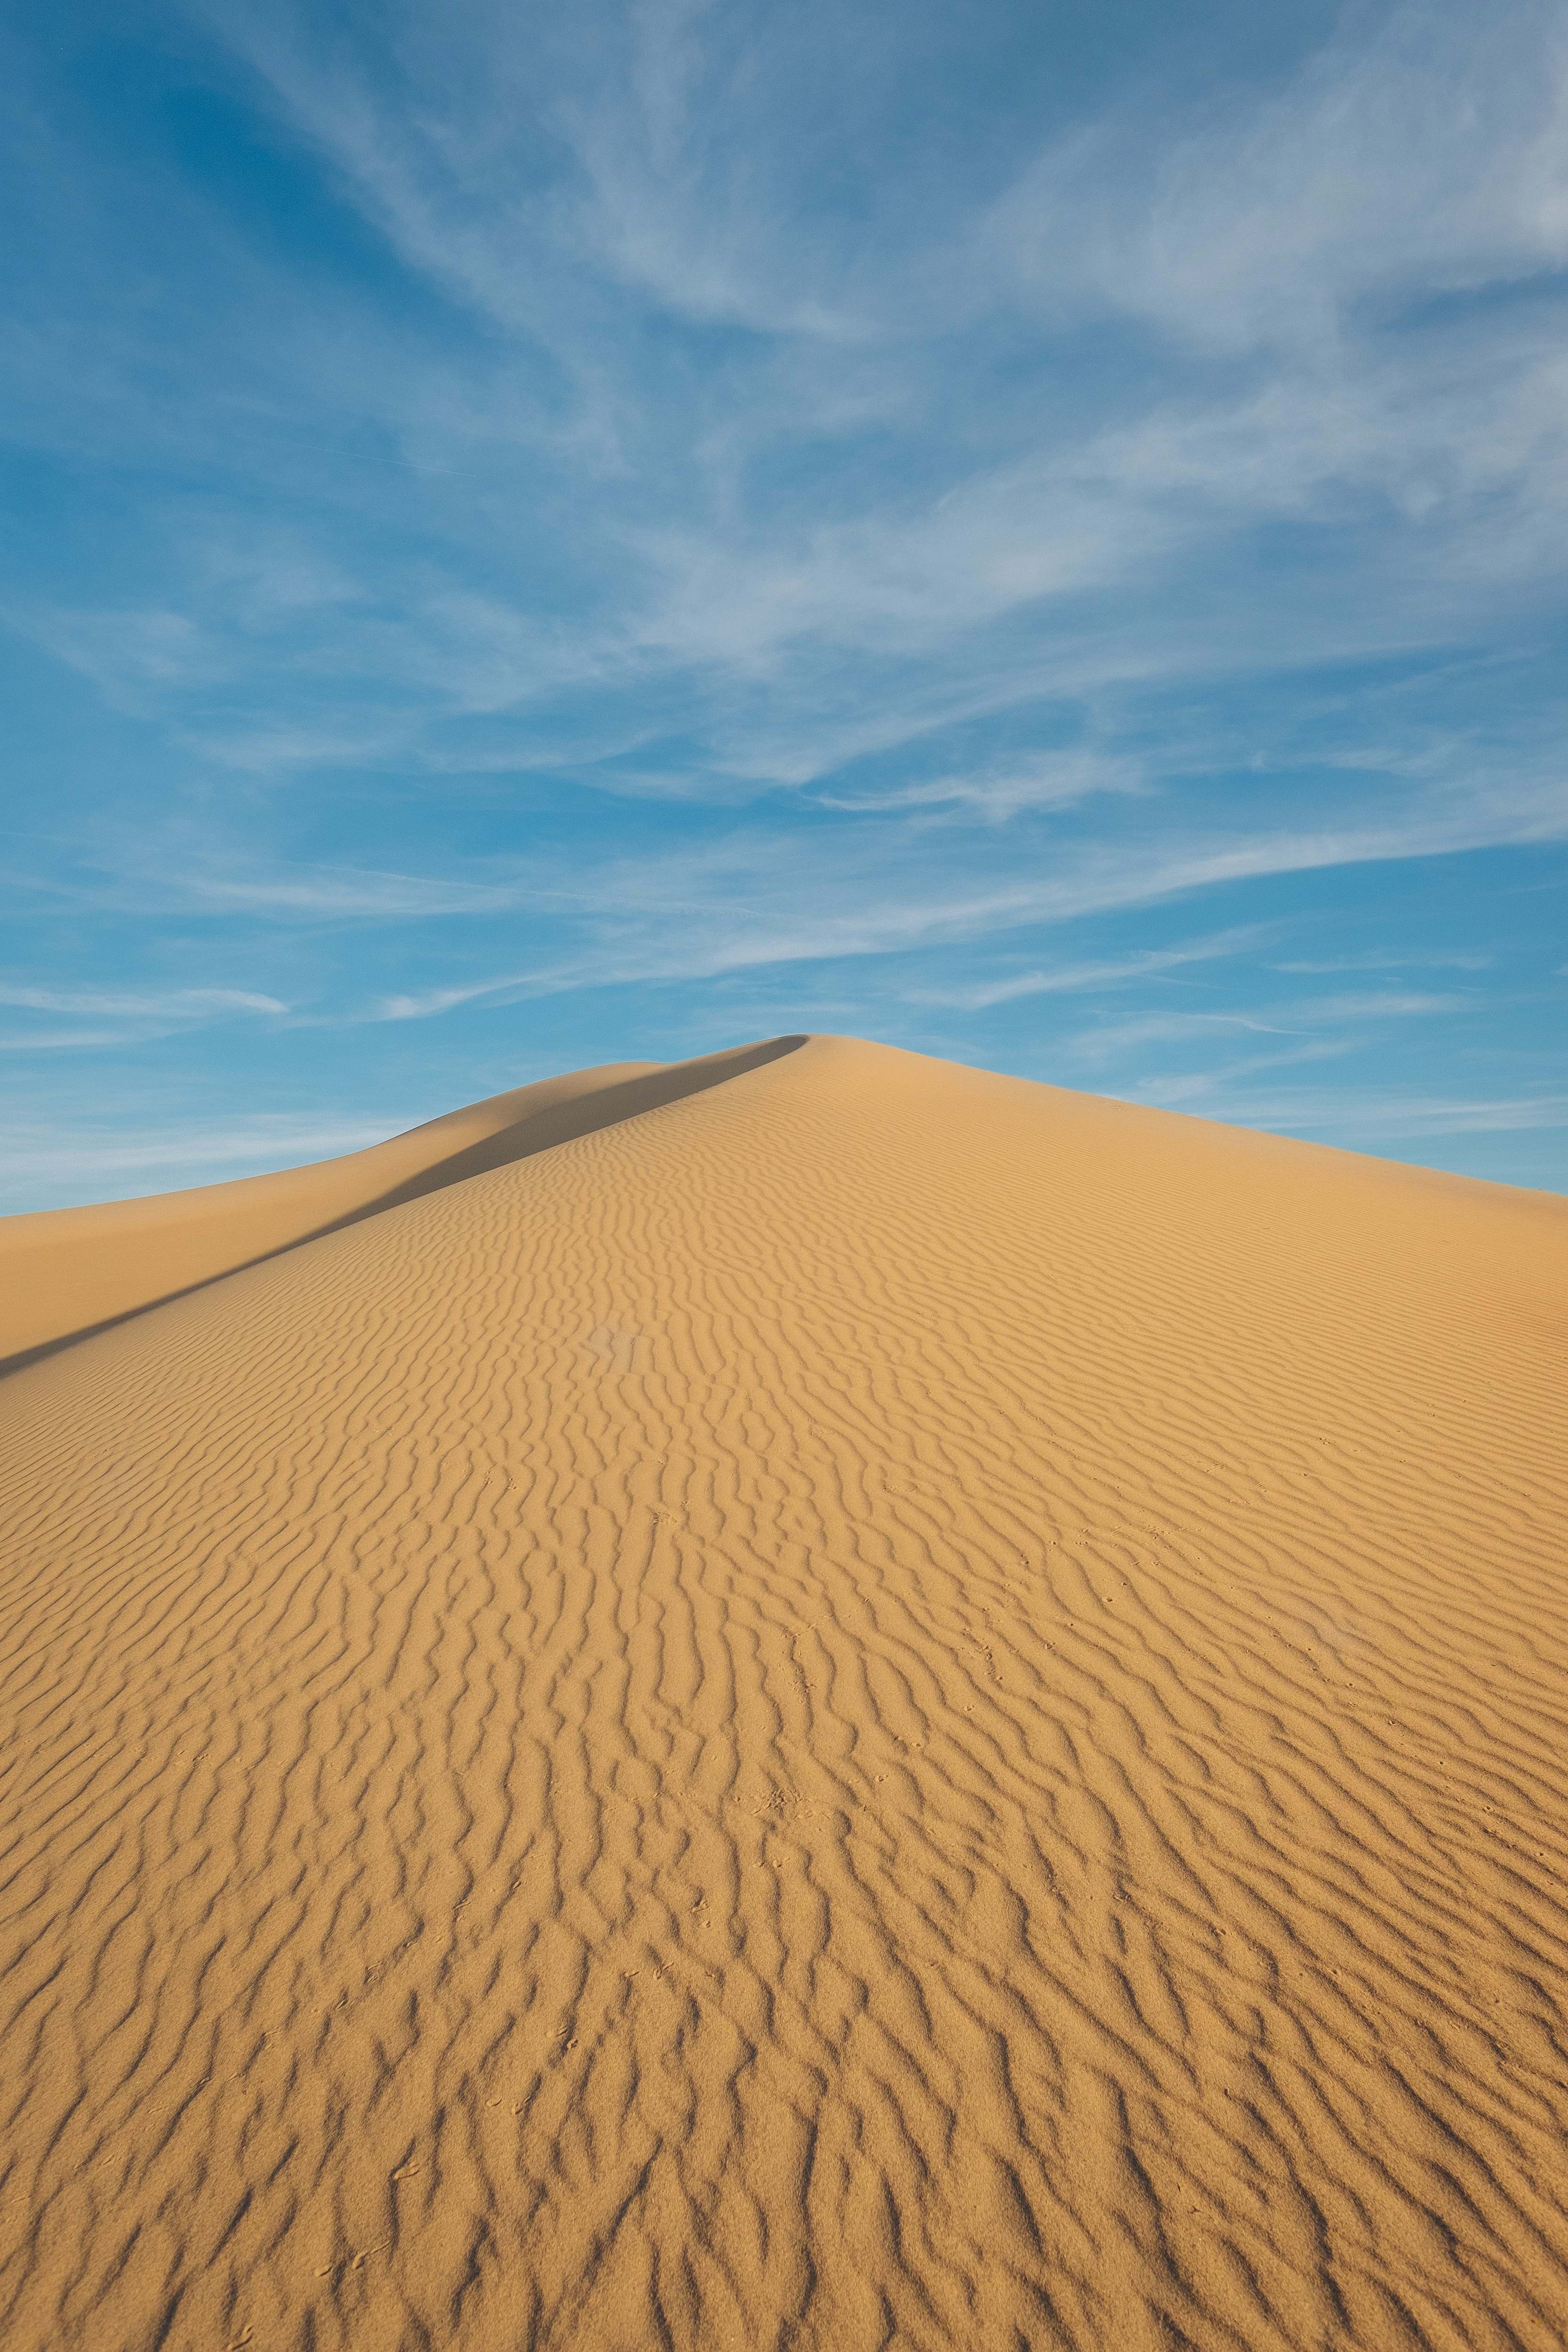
x=849, y=1704
x=66, y=1273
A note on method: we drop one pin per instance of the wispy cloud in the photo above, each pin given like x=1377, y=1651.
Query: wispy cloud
x=138, y=661
x=60, y=1041
x=1211, y=1093
x=1074, y=979
x=1368, y=1117
x=342, y=893
x=657, y=169
x=1048, y=779
x=1385, y=1004
x=1426, y=149
x=1116, y=1037
x=1111, y=1041
x=1493, y=1116
x=173, y=1003
x=1379, y=960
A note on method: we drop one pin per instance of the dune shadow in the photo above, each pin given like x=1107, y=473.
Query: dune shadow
x=535, y=1132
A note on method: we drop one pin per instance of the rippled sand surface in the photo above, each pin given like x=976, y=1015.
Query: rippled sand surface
x=862, y=1705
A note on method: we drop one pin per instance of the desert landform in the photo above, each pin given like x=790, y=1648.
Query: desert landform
x=808, y=1699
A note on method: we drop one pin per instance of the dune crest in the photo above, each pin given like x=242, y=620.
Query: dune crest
x=66, y=1273
x=861, y=1705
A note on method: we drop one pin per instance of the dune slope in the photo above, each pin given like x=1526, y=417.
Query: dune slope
x=68, y=1273
x=872, y=1707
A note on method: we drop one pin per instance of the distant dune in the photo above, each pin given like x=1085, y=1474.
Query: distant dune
x=808, y=1700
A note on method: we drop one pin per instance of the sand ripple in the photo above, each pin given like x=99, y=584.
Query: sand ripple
x=876, y=1707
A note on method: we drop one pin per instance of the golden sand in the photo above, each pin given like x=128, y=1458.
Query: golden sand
x=815, y=1700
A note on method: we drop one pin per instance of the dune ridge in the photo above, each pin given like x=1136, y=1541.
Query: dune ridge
x=66, y=1273
x=875, y=1705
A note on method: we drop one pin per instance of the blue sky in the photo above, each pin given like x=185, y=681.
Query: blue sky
x=1034, y=532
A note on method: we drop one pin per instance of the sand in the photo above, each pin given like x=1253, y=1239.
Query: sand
x=67, y=1274
x=851, y=1703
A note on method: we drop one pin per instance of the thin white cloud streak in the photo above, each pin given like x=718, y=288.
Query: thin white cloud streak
x=1378, y=959
x=1390, y=1004
x=1392, y=1115
x=1496, y=1116
x=343, y=893
x=980, y=996
x=1048, y=779
x=280, y=752
x=424, y=1005
x=71, y=1041
x=1105, y=1043
x=195, y=1003
x=1204, y=1086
